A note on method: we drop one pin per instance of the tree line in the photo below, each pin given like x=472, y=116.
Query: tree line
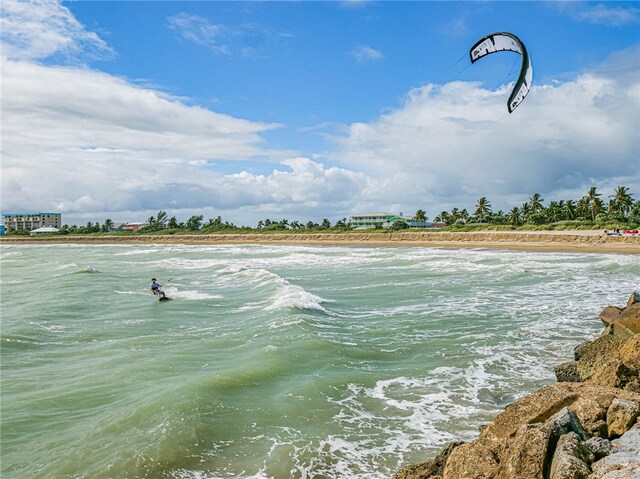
x=592, y=210
x=620, y=209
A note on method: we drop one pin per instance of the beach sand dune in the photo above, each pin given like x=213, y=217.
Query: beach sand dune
x=560, y=241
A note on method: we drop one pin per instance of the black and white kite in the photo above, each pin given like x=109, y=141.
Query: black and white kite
x=500, y=42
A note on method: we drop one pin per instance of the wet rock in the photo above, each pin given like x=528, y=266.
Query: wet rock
x=571, y=459
x=567, y=372
x=599, y=446
x=470, y=461
x=621, y=416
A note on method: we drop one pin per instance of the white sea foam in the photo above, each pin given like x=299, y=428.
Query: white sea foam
x=174, y=292
x=293, y=296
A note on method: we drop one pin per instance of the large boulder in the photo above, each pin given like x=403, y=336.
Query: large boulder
x=624, y=460
x=621, y=416
x=542, y=404
x=567, y=372
x=616, y=374
x=470, y=461
x=595, y=354
x=571, y=458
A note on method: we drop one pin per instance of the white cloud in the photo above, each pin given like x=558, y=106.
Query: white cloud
x=365, y=54
x=200, y=31
x=42, y=28
x=248, y=40
x=450, y=144
x=601, y=13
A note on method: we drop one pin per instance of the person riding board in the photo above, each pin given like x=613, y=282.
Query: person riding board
x=155, y=289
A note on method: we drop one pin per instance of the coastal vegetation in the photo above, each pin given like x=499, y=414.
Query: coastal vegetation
x=591, y=212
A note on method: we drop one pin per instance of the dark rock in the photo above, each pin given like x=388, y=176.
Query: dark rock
x=599, y=446
x=567, y=372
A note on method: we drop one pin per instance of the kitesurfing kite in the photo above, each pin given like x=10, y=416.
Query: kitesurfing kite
x=500, y=42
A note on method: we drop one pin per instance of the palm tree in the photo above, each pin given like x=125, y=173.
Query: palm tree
x=107, y=225
x=161, y=218
x=536, y=203
x=443, y=217
x=454, y=216
x=326, y=223
x=464, y=215
x=514, y=216
x=173, y=222
x=594, y=204
x=421, y=215
x=483, y=208
x=568, y=209
x=621, y=200
x=596, y=207
x=582, y=207
x=554, y=212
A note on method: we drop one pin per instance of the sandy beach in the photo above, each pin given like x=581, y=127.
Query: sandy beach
x=553, y=241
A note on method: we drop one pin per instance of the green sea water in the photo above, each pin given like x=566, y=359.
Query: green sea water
x=277, y=361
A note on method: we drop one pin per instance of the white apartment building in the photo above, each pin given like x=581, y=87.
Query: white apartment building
x=31, y=221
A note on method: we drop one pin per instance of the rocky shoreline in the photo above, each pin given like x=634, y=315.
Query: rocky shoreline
x=586, y=426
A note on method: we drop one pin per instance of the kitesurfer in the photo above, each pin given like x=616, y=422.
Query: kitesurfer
x=155, y=288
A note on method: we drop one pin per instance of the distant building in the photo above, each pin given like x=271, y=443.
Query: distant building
x=132, y=226
x=44, y=230
x=30, y=221
x=2, y=230
x=386, y=220
x=410, y=220
x=369, y=220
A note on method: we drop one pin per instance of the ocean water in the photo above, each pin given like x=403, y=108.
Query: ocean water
x=277, y=361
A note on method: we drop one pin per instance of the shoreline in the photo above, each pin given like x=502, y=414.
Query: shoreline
x=585, y=425
x=540, y=241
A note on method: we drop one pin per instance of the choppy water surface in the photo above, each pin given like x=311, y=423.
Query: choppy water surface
x=275, y=361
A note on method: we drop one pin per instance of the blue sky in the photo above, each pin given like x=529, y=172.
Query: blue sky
x=311, y=110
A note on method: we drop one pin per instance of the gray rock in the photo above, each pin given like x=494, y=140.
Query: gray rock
x=565, y=421
x=599, y=446
x=624, y=460
x=567, y=372
x=571, y=459
x=621, y=416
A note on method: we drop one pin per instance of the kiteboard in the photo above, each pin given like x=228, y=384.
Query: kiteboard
x=164, y=298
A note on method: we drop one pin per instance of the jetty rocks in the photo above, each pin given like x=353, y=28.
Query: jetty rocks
x=586, y=426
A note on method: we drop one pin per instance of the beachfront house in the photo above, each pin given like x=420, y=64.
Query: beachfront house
x=44, y=230
x=132, y=227
x=30, y=221
x=386, y=220
x=369, y=220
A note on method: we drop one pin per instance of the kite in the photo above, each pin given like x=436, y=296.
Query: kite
x=500, y=42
